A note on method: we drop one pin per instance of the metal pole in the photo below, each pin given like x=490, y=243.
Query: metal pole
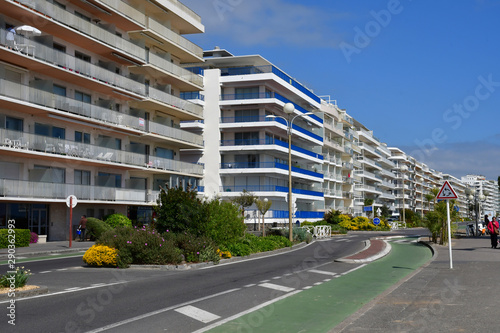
x=70, y=219
x=403, y=198
x=476, y=205
x=449, y=232
x=290, y=209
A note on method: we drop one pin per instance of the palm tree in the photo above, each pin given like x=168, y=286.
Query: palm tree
x=428, y=198
x=435, y=192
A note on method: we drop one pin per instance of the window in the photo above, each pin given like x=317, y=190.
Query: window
x=82, y=97
x=109, y=180
x=58, y=4
x=82, y=137
x=82, y=56
x=109, y=142
x=48, y=130
x=59, y=47
x=51, y=174
x=246, y=138
x=246, y=115
x=82, y=177
x=247, y=93
x=59, y=90
x=164, y=153
x=14, y=124
x=83, y=17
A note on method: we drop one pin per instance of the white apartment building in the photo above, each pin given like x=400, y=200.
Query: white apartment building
x=91, y=107
x=479, y=186
x=246, y=141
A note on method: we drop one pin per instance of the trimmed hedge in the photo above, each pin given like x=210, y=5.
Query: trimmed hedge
x=22, y=237
x=95, y=228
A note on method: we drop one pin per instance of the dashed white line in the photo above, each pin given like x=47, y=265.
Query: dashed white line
x=44, y=272
x=197, y=314
x=276, y=287
x=250, y=285
x=321, y=272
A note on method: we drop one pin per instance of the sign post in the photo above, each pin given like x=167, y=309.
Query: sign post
x=447, y=193
x=71, y=202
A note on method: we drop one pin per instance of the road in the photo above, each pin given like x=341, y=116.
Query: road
x=85, y=299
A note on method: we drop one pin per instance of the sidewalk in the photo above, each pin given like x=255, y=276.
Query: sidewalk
x=436, y=298
x=47, y=248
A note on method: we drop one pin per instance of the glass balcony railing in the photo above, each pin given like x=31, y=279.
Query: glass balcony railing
x=192, y=95
x=243, y=119
x=259, y=165
x=178, y=71
x=269, y=188
x=166, y=98
x=96, y=153
x=50, y=191
x=269, y=141
x=40, y=97
x=93, y=31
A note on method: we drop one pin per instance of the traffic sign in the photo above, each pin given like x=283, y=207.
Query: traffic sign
x=446, y=192
x=73, y=200
x=376, y=221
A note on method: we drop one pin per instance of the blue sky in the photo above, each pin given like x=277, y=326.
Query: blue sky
x=423, y=75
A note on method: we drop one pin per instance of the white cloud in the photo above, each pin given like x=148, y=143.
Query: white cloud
x=268, y=22
x=460, y=159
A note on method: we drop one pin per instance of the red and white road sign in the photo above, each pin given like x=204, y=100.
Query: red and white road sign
x=446, y=192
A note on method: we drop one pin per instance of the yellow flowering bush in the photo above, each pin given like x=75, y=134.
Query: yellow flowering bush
x=224, y=254
x=346, y=222
x=101, y=256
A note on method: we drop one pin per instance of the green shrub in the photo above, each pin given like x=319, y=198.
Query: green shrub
x=332, y=216
x=17, y=279
x=141, y=246
x=118, y=220
x=239, y=249
x=301, y=235
x=225, y=223
x=22, y=237
x=195, y=248
x=95, y=228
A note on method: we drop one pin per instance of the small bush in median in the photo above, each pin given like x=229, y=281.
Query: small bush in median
x=17, y=279
x=101, y=256
x=118, y=220
x=96, y=227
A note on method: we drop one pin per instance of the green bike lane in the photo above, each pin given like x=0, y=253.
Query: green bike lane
x=323, y=307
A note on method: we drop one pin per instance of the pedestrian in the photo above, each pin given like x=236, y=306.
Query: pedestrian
x=493, y=229
x=10, y=37
x=82, y=227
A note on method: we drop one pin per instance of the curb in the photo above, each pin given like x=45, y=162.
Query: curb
x=24, y=293
x=385, y=251
x=5, y=256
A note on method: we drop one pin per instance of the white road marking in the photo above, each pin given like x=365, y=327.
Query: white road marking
x=44, y=272
x=276, y=287
x=197, y=313
x=322, y=272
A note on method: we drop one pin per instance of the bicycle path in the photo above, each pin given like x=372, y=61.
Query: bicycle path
x=323, y=307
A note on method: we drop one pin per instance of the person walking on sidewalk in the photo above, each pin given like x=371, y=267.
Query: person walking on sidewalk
x=493, y=229
x=82, y=227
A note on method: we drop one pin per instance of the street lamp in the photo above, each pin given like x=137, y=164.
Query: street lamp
x=478, y=198
x=289, y=109
x=403, y=170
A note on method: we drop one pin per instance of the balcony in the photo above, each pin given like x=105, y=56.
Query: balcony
x=261, y=165
x=160, y=100
x=20, y=189
x=164, y=70
x=13, y=94
x=59, y=22
x=162, y=37
x=269, y=188
x=14, y=143
x=270, y=141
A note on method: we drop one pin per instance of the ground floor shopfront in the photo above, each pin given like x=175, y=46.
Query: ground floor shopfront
x=52, y=219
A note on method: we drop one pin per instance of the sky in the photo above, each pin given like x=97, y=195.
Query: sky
x=423, y=75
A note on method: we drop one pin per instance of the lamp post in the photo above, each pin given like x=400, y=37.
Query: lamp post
x=289, y=109
x=403, y=170
x=478, y=198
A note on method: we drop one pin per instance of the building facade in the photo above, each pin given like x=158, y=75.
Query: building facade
x=91, y=107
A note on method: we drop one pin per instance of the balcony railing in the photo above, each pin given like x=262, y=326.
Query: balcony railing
x=254, y=119
x=91, y=30
x=48, y=99
x=192, y=95
x=269, y=188
x=269, y=141
x=50, y=191
x=49, y=145
x=166, y=98
x=173, y=37
x=258, y=165
x=168, y=66
x=78, y=66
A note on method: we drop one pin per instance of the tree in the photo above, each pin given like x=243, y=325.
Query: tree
x=332, y=216
x=180, y=210
x=263, y=206
x=435, y=192
x=225, y=223
x=428, y=198
x=246, y=199
x=386, y=212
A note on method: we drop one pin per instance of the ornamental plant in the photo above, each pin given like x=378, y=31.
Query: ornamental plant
x=33, y=238
x=101, y=256
x=17, y=279
x=118, y=220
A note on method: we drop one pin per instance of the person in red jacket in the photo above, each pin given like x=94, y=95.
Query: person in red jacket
x=493, y=229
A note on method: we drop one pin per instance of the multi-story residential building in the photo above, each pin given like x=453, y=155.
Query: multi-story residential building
x=91, y=107
x=246, y=139
x=480, y=186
